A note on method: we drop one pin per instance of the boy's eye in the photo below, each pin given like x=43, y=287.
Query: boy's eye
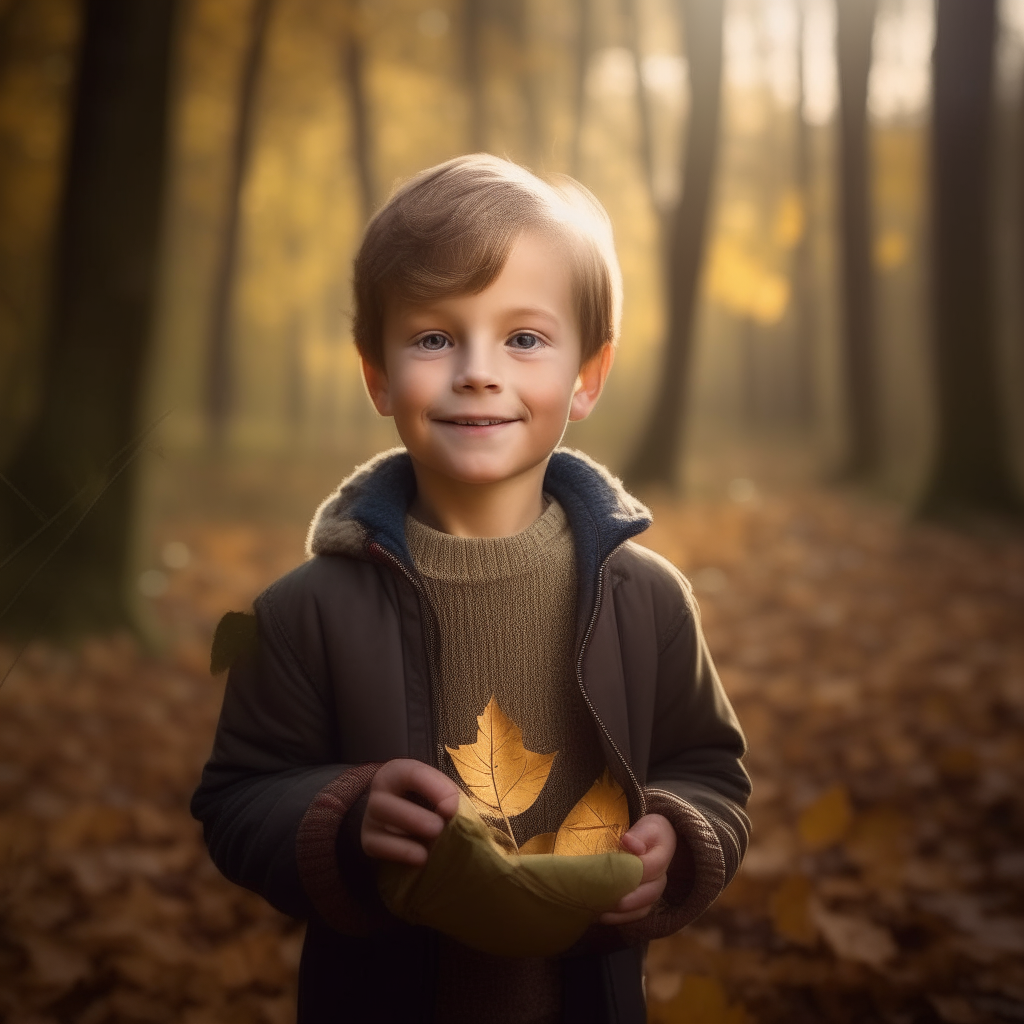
x=524, y=341
x=433, y=342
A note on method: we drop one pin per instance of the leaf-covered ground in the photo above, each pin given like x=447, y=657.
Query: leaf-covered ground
x=878, y=670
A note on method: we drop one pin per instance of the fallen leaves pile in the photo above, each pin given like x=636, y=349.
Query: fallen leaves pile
x=878, y=670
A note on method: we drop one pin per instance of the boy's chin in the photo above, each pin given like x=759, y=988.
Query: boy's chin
x=481, y=470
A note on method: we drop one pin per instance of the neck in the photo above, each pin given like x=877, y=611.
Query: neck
x=499, y=509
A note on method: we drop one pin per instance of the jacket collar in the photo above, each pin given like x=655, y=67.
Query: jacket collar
x=371, y=504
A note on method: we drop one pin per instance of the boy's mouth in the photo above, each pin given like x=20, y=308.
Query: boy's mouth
x=466, y=422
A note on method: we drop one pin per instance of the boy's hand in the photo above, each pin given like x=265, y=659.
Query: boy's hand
x=653, y=840
x=396, y=827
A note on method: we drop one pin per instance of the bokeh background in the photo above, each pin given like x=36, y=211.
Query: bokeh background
x=819, y=210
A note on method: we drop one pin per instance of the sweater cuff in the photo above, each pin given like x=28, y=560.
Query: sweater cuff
x=696, y=876
x=316, y=852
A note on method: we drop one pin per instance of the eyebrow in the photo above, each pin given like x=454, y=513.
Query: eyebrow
x=544, y=314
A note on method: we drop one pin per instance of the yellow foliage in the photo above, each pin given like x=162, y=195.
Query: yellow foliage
x=502, y=776
x=596, y=823
x=742, y=284
x=892, y=248
x=827, y=820
x=790, y=220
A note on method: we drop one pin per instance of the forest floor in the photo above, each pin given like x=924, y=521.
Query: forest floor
x=878, y=669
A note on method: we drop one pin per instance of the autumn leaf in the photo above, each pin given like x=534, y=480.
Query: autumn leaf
x=597, y=822
x=790, y=907
x=502, y=776
x=827, y=820
x=544, y=843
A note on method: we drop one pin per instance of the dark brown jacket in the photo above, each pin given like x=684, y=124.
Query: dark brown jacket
x=339, y=682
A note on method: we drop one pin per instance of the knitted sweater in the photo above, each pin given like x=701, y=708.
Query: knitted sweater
x=506, y=608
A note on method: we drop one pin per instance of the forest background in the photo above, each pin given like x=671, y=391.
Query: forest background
x=819, y=210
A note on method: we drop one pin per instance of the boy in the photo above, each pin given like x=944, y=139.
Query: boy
x=478, y=572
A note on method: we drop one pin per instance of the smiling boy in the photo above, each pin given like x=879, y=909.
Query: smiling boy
x=481, y=567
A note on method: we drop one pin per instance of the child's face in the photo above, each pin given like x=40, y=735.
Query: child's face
x=481, y=386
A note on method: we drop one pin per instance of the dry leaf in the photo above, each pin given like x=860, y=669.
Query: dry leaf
x=790, y=907
x=827, y=820
x=502, y=776
x=700, y=1000
x=544, y=843
x=597, y=822
x=855, y=938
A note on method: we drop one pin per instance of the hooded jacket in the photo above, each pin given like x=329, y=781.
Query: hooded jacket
x=338, y=681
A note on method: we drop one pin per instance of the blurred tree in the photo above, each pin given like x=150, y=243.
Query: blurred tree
x=631, y=19
x=803, y=269
x=353, y=73
x=472, y=52
x=519, y=17
x=583, y=45
x=971, y=470
x=219, y=375
x=656, y=458
x=73, y=469
x=9, y=14
x=854, y=30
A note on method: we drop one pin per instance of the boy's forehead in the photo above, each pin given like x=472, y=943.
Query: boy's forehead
x=534, y=281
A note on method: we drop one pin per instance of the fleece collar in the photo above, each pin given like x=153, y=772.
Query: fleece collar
x=371, y=504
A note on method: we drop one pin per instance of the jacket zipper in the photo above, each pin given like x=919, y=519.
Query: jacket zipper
x=586, y=697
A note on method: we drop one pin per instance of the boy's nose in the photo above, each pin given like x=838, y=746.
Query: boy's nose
x=476, y=374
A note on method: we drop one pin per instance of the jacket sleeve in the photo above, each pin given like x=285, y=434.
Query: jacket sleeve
x=695, y=776
x=274, y=797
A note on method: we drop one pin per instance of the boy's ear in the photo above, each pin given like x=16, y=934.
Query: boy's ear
x=590, y=382
x=376, y=386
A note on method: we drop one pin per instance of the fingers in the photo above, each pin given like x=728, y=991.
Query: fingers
x=384, y=846
x=402, y=817
x=403, y=775
x=398, y=828
x=653, y=840
x=637, y=904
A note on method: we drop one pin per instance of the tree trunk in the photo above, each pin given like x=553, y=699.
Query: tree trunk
x=631, y=17
x=528, y=84
x=74, y=465
x=855, y=26
x=219, y=376
x=353, y=62
x=656, y=460
x=971, y=471
x=472, y=44
x=583, y=43
x=803, y=266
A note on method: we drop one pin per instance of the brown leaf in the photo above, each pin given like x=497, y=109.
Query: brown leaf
x=790, y=907
x=853, y=937
x=827, y=820
x=503, y=777
x=699, y=1000
x=596, y=823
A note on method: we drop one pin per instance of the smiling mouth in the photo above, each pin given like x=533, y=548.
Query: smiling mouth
x=476, y=422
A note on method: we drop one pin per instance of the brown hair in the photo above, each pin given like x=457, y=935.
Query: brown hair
x=449, y=231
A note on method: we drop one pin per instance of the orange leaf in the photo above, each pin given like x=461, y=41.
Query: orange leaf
x=827, y=820
x=503, y=777
x=597, y=822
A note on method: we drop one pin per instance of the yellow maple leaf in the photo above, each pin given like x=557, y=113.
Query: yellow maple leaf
x=502, y=776
x=597, y=822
